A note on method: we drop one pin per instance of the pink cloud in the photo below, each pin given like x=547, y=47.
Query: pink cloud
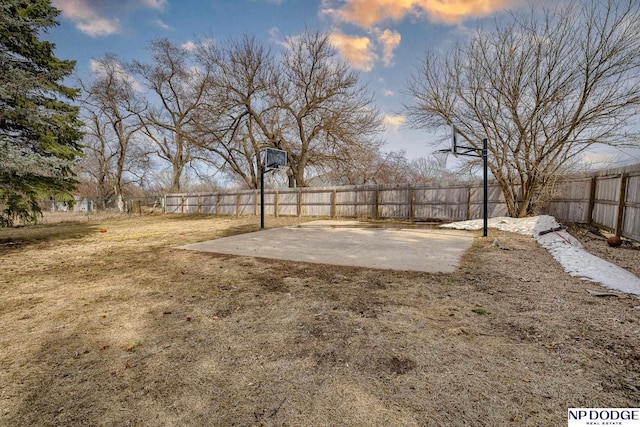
x=358, y=51
x=390, y=40
x=367, y=13
x=394, y=121
x=96, y=17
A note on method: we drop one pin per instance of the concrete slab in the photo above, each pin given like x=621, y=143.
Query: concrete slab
x=350, y=243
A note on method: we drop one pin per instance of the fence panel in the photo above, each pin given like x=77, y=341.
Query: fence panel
x=173, y=204
x=394, y=203
x=288, y=203
x=208, y=204
x=227, y=204
x=365, y=206
x=605, y=205
x=631, y=221
x=345, y=201
x=571, y=200
x=191, y=204
x=496, y=205
x=316, y=203
x=587, y=198
x=441, y=202
x=247, y=203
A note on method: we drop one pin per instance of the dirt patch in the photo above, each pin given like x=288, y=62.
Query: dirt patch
x=117, y=328
x=593, y=239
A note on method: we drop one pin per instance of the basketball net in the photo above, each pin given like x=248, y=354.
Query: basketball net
x=441, y=158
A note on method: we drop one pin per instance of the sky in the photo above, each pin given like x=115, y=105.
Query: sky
x=384, y=39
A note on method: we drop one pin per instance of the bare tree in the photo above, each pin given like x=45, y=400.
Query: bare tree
x=177, y=85
x=368, y=166
x=95, y=167
x=236, y=119
x=305, y=101
x=424, y=170
x=111, y=108
x=542, y=88
x=323, y=109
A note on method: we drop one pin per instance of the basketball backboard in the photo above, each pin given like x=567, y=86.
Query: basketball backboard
x=274, y=158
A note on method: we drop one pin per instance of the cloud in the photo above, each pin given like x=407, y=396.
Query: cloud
x=394, y=121
x=99, y=26
x=101, y=18
x=390, y=40
x=367, y=13
x=87, y=18
x=358, y=51
x=388, y=92
x=189, y=46
x=363, y=52
x=276, y=36
x=161, y=24
x=155, y=4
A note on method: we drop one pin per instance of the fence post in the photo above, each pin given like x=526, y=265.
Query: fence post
x=334, y=197
x=238, y=205
x=468, y=203
x=200, y=203
x=276, y=207
x=376, y=214
x=622, y=201
x=592, y=199
x=412, y=201
x=299, y=202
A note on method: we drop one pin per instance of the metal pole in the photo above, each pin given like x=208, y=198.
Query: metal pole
x=485, y=207
x=262, y=197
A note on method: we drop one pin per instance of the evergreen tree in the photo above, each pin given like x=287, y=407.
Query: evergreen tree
x=39, y=129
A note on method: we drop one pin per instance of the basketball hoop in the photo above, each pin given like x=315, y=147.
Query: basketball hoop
x=273, y=159
x=281, y=170
x=440, y=157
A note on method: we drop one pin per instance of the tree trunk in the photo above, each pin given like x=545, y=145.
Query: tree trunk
x=512, y=204
x=175, y=182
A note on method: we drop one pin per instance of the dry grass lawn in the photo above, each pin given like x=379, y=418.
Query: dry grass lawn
x=120, y=329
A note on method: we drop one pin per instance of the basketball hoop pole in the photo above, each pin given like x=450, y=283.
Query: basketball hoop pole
x=262, y=197
x=484, y=153
x=485, y=173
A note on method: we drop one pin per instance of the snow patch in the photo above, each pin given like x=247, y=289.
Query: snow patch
x=565, y=248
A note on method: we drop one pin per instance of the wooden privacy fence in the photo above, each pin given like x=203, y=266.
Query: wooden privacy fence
x=610, y=199
x=424, y=202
